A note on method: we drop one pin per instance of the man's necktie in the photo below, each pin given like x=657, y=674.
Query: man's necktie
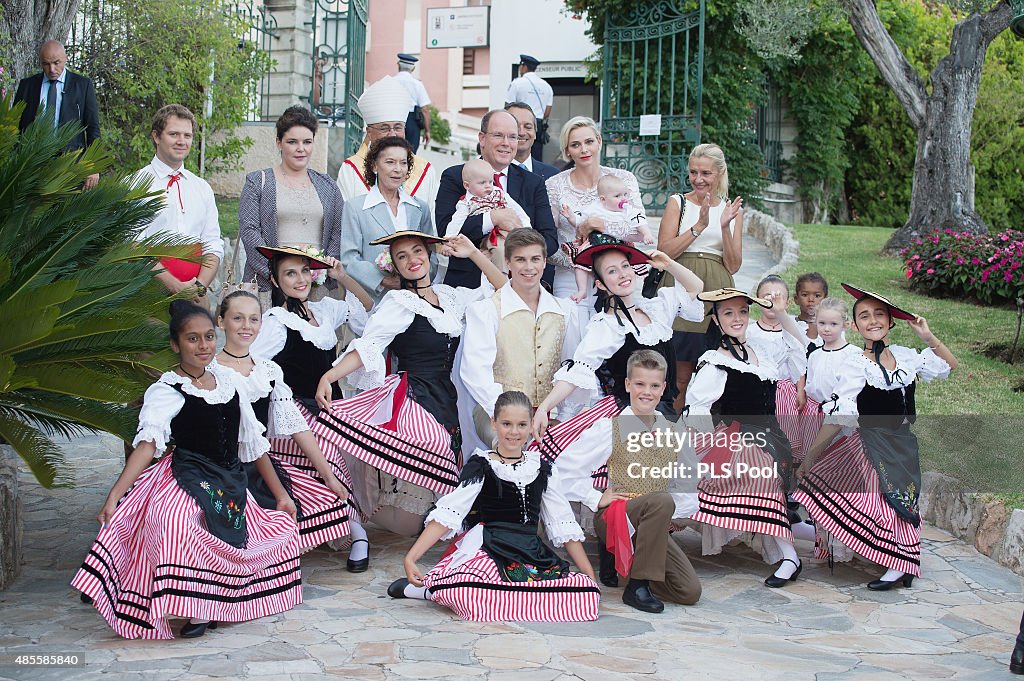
x=174, y=180
x=51, y=102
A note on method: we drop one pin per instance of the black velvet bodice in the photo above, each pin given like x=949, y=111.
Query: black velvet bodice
x=745, y=395
x=304, y=364
x=612, y=373
x=210, y=430
x=427, y=356
x=262, y=407
x=499, y=500
x=897, y=404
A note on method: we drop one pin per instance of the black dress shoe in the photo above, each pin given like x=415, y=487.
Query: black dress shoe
x=884, y=585
x=397, y=588
x=793, y=512
x=191, y=630
x=1017, y=660
x=358, y=565
x=606, y=572
x=85, y=599
x=776, y=582
x=638, y=595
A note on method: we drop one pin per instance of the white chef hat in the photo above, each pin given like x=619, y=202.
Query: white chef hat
x=384, y=101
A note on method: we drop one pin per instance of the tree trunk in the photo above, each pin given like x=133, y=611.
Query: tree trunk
x=943, y=183
x=30, y=23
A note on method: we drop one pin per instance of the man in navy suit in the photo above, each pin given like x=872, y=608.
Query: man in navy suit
x=63, y=97
x=499, y=138
x=527, y=136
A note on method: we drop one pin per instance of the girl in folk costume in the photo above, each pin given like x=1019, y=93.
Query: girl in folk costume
x=321, y=506
x=634, y=511
x=500, y=569
x=825, y=357
x=627, y=322
x=299, y=336
x=862, y=488
x=790, y=356
x=184, y=538
x=730, y=402
x=403, y=432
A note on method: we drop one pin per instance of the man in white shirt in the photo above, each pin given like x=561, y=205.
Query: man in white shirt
x=418, y=119
x=189, y=207
x=384, y=107
x=515, y=339
x=535, y=91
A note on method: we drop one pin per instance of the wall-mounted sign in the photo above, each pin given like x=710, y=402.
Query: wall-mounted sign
x=458, y=27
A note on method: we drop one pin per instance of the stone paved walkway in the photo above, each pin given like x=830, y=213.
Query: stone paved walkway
x=957, y=622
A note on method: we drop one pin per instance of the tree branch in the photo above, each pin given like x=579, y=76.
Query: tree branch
x=995, y=21
x=892, y=64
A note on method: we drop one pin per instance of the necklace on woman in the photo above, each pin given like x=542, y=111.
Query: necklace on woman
x=199, y=377
x=231, y=354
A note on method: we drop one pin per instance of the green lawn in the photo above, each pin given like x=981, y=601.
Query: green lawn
x=227, y=210
x=970, y=422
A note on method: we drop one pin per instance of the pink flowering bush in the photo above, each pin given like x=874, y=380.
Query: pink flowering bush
x=987, y=267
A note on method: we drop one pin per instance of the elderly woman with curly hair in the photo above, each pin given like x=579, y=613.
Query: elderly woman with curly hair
x=386, y=209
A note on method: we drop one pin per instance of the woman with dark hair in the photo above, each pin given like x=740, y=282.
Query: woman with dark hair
x=386, y=209
x=300, y=336
x=405, y=428
x=290, y=204
x=183, y=538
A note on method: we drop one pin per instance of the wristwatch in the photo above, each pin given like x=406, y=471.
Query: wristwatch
x=201, y=288
x=694, y=232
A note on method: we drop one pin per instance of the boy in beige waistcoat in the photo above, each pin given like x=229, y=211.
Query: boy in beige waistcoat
x=514, y=340
x=637, y=507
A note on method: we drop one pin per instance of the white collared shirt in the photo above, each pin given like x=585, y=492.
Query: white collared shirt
x=399, y=220
x=189, y=207
x=532, y=90
x=527, y=165
x=477, y=366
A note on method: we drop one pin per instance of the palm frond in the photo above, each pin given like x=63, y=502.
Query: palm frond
x=68, y=414
x=40, y=454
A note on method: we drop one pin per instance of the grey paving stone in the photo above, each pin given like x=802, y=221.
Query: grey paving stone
x=988, y=574
x=606, y=626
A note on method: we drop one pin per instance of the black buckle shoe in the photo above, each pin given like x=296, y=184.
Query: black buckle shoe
x=358, y=565
x=776, y=582
x=606, y=570
x=638, y=595
x=191, y=630
x=85, y=599
x=1017, y=660
x=397, y=588
x=884, y=585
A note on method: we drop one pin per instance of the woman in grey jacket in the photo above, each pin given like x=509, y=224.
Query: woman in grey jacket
x=290, y=204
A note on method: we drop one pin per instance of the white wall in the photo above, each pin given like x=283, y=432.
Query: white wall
x=539, y=29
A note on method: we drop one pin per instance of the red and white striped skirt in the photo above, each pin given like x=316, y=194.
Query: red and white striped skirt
x=322, y=516
x=739, y=503
x=389, y=432
x=563, y=434
x=155, y=560
x=810, y=422
x=843, y=495
x=475, y=591
x=789, y=416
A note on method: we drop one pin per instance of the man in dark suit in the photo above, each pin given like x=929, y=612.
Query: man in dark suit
x=62, y=97
x=527, y=136
x=499, y=137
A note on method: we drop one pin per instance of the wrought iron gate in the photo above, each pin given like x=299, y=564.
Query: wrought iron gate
x=339, y=60
x=653, y=64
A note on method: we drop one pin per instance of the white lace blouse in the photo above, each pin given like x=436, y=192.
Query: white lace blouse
x=788, y=353
x=395, y=313
x=266, y=378
x=555, y=513
x=561, y=191
x=329, y=314
x=162, y=403
x=603, y=335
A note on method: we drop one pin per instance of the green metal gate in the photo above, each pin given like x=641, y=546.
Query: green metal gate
x=653, y=64
x=339, y=61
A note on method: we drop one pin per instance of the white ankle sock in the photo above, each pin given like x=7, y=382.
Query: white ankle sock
x=193, y=620
x=786, y=569
x=360, y=549
x=803, y=531
x=421, y=592
x=892, y=575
